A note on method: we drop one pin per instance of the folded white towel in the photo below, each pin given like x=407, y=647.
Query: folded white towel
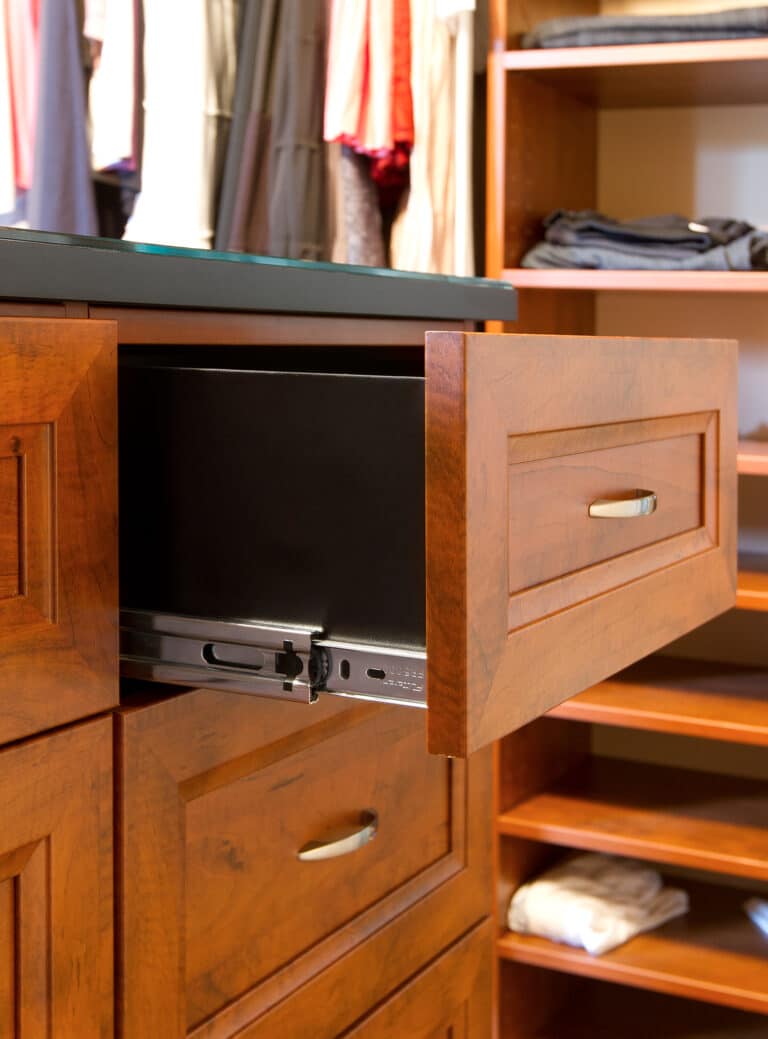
x=595, y=902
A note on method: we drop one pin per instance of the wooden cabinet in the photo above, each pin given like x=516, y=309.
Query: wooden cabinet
x=221, y=919
x=561, y=128
x=56, y=885
x=58, y=522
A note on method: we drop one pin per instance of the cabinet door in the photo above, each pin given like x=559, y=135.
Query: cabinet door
x=536, y=588
x=271, y=851
x=58, y=522
x=56, y=886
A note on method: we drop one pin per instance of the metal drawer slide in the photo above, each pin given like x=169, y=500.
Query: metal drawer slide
x=263, y=659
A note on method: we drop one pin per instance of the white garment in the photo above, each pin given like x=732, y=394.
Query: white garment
x=7, y=149
x=112, y=89
x=189, y=79
x=434, y=230
x=422, y=234
x=595, y=902
x=757, y=911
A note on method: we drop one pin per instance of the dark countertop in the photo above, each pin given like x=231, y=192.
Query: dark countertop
x=36, y=265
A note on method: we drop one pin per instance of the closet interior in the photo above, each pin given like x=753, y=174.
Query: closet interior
x=664, y=762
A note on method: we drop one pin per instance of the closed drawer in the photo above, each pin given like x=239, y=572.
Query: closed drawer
x=56, y=869
x=449, y=999
x=58, y=522
x=580, y=513
x=221, y=795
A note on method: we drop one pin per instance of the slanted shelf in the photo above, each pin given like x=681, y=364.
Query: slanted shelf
x=752, y=591
x=718, y=701
x=669, y=815
x=752, y=459
x=714, y=953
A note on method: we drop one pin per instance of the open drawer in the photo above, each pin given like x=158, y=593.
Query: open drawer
x=580, y=513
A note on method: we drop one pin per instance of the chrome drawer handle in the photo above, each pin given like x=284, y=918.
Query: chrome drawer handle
x=341, y=842
x=637, y=503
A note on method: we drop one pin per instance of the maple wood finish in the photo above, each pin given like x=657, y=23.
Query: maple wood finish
x=752, y=591
x=499, y=406
x=690, y=697
x=56, y=885
x=58, y=523
x=220, y=792
x=713, y=953
x=753, y=458
x=448, y=1000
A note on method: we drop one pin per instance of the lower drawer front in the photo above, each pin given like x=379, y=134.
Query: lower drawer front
x=448, y=999
x=249, y=822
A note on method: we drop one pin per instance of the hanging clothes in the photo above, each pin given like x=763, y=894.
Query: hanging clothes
x=244, y=176
x=297, y=218
x=273, y=199
x=433, y=233
x=354, y=214
x=22, y=27
x=113, y=93
x=187, y=109
x=7, y=148
x=61, y=193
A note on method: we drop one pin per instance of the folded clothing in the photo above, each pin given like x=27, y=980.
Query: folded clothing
x=610, y=30
x=595, y=902
x=587, y=239
x=757, y=911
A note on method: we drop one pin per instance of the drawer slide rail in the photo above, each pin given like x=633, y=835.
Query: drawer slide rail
x=263, y=659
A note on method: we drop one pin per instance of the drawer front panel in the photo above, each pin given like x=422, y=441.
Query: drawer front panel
x=56, y=944
x=58, y=522
x=449, y=999
x=530, y=599
x=221, y=920
x=551, y=531
x=252, y=906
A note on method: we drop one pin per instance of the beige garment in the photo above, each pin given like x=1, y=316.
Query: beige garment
x=346, y=76
x=422, y=235
x=7, y=171
x=433, y=231
x=189, y=76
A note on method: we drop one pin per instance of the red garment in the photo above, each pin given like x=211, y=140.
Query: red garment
x=23, y=21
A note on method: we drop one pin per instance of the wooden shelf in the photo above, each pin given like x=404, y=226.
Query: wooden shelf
x=752, y=590
x=696, y=819
x=690, y=697
x=714, y=954
x=636, y=281
x=595, y=1015
x=707, y=72
x=753, y=458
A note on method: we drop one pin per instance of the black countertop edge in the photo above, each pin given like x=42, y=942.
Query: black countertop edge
x=41, y=266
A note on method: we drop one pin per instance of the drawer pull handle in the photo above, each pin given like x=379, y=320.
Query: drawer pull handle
x=341, y=842
x=638, y=503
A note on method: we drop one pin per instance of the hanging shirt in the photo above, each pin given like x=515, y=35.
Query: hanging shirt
x=22, y=18
x=7, y=149
x=189, y=77
x=113, y=87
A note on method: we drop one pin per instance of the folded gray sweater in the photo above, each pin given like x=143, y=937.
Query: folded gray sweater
x=608, y=30
x=587, y=239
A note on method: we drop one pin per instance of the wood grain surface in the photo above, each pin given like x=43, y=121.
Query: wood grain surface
x=56, y=885
x=58, y=635
x=494, y=661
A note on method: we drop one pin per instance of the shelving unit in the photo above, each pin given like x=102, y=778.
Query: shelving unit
x=687, y=697
x=713, y=953
x=544, y=119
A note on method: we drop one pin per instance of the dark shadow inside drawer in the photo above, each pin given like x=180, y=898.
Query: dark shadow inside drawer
x=277, y=485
